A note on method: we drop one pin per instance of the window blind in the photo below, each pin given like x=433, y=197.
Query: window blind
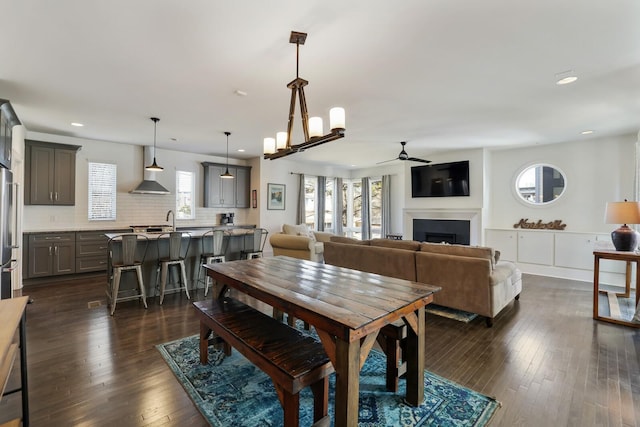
x=102, y=191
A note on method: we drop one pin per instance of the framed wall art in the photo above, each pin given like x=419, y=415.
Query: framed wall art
x=276, y=196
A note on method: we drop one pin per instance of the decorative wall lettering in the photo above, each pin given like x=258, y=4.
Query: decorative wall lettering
x=552, y=225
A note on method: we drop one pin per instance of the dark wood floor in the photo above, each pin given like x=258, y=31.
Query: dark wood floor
x=545, y=359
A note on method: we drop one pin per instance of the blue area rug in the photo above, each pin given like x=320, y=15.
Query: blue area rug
x=450, y=313
x=230, y=391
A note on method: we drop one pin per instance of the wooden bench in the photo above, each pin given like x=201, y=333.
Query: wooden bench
x=391, y=339
x=292, y=359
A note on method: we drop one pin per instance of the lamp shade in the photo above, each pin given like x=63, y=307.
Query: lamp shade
x=269, y=145
x=336, y=118
x=315, y=126
x=281, y=140
x=623, y=238
x=622, y=213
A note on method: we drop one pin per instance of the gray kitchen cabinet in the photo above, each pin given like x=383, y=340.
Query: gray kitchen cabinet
x=50, y=173
x=51, y=254
x=226, y=193
x=243, y=179
x=91, y=251
x=8, y=120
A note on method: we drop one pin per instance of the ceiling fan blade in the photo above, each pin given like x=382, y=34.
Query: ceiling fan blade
x=415, y=159
x=386, y=161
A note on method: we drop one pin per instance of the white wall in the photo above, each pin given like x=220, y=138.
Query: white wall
x=597, y=171
x=286, y=171
x=132, y=209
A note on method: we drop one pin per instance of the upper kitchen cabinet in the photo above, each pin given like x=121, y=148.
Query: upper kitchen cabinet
x=50, y=173
x=8, y=120
x=226, y=193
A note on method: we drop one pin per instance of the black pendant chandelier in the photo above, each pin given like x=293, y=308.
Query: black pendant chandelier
x=154, y=166
x=226, y=173
x=312, y=127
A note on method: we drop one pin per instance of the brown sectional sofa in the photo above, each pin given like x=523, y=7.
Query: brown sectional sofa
x=472, y=278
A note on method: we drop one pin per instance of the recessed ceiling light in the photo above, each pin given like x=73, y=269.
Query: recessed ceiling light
x=566, y=80
x=241, y=150
x=566, y=77
x=586, y=132
x=240, y=92
x=77, y=124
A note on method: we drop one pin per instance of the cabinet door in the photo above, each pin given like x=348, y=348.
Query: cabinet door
x=535, y=247
x=243, y=177
x=40, y=259
x=574, y=250
x=213, y=186
x=41, y=175
x=64, y=180
x=228, y=188
x=505, y=241
x=64, y=258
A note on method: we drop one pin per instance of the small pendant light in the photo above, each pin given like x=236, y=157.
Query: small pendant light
x=154, y=166
x=226, y=173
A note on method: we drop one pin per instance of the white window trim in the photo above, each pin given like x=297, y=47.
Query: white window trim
x=102, y=171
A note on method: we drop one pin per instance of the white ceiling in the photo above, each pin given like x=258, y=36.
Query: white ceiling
x=441, y=74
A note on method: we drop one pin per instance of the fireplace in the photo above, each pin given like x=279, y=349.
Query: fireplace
x=442, y=231
x=470, y=217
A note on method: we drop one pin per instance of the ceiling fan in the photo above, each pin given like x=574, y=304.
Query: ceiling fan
x=404, y=156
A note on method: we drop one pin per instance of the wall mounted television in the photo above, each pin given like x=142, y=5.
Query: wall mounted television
x=440, y=180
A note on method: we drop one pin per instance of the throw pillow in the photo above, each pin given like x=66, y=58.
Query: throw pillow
x=299, y=230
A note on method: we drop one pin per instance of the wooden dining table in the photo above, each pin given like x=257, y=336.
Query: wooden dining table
x=347, y=308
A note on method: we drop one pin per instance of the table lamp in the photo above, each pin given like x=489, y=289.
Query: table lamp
x=624, y=238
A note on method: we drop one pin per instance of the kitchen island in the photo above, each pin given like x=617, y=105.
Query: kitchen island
x=54, y=254
x=236, y=240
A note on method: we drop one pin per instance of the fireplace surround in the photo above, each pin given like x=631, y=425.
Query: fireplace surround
x=472, y=217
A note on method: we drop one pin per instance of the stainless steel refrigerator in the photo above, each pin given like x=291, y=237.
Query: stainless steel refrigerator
x=7, y=231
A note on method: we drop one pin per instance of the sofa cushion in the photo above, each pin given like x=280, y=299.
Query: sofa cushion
x=298, y=230
x=409, y=245
x=391, y=262
x=461, y=250
x=349, y=240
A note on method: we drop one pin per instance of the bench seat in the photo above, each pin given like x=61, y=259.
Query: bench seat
x=292, y=360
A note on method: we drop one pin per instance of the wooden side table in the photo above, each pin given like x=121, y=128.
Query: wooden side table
x=629, y=258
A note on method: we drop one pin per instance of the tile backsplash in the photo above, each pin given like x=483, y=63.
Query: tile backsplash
x=131, y=209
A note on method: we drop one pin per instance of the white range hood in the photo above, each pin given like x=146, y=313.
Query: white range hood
x=149, y=185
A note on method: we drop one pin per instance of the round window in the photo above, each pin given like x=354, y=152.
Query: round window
x=540, y=184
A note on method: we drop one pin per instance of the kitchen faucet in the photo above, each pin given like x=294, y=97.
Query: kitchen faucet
x=173, y=216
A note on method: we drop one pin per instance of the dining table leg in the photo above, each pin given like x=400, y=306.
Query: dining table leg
x=347, y=369
x=415, y=355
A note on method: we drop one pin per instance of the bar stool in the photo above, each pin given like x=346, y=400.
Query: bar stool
x=214, y=246
x=172, y=251
x=126, y=253
x=258, y=238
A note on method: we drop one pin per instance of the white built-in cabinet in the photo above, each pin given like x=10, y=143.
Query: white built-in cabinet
x=546, y=248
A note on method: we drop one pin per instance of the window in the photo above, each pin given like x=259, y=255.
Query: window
x=352, y=207
x=310, y=184
x=328, y=205
x=102, y=191
x=375, y=203
x=185, y=207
